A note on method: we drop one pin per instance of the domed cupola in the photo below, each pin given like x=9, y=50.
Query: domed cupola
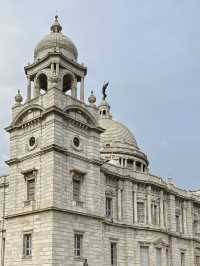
x=118, y=144
x=56, y=41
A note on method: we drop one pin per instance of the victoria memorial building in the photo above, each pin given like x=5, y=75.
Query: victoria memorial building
x=79, y=191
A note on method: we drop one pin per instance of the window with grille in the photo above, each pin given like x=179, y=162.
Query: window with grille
x=177, y=223
x=144, y=256
x=27, y=245
x=30, y=189
x=76, y=189
x=197, y=261
x=158, y=257
x=154, y=213
x=182, y=259
x=195, y=226
x=140, y=212
x=78, y=242
x=113, y=252
x=3, y=250
x=167, y=257
x=108, y=207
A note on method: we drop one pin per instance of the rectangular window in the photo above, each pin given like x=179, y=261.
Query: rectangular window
x=144, y=256
x=78, y=239
x=138, y=166
x=113, y=252
x=140, y=212
x=182, y=259
x=167, y=257
x=158, y=257
x=3, y=250
x=76, y=189
x=30, y=189
x=108, y=207
x=197, y=261
x=177, y=223
x=27, y=245
x=154, y=213
x=195, y=226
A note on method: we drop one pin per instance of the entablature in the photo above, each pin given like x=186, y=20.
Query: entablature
x=148, y=179
x=45, y=62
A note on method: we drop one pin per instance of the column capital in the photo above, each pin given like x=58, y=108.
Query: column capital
x=149, y=189
x=120, y=184
x=135, y=187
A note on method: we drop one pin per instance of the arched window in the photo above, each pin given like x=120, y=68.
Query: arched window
x=42, y=83
x=67, y=83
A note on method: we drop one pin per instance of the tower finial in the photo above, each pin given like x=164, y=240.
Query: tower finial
x=92, y=98
x=56, y=27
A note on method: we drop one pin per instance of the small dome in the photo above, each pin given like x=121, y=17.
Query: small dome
x=56, y=41
x=117, y=136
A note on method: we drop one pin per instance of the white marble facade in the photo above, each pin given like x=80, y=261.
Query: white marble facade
x=79, y=191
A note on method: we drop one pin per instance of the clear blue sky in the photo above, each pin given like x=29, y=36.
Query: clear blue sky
x=149, y=50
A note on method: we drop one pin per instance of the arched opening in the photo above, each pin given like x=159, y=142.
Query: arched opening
x=67, y=84
x=42, y=83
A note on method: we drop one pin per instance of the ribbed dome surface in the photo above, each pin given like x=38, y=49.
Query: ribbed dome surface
x=56, y=41
x=117, y=135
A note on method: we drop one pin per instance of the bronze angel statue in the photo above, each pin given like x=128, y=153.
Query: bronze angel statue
x=105, y=85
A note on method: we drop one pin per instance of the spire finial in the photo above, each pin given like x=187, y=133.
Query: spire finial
x=56, y=27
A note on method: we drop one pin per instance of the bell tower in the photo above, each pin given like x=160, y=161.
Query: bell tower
x=54, y=156
x=55, y=65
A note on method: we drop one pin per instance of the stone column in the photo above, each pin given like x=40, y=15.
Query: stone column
x=125, y=162
x=161, y=210
x=126, y=201
x=119, y=202
x=184, y=217
x=135, y=218
x=149, y=205
x=190, y=218
x=134, y=166
x=28, y=88
x=172, y=208
x=74, y=92
x=74, y=89
x=82, y=90
x=36, y=90
x=57, y=69
x=52, y=68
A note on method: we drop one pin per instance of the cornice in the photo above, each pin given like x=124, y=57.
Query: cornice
x=51, y=148
x=54, y=109
x=57, y=54
x=104, y=221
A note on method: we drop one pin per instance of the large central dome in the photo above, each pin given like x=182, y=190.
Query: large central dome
x=118, y=144
x=56, y=41
x=117, y=136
